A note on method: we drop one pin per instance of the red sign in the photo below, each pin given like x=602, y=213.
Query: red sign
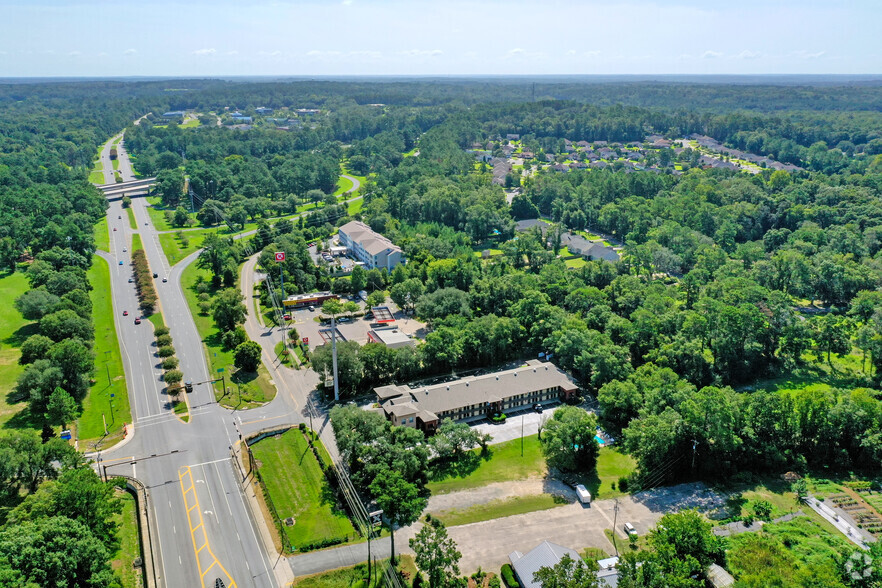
x=306, y=340
x=280, y=256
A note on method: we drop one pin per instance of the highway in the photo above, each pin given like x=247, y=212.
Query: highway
x=201, y=527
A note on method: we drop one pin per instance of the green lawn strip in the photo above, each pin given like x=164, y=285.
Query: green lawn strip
x=102, y=235
x=14, y=329
x=283, y=354
x=496, y=509
x=156, y=319
x=157, y=217
x=355, y=207
x=181, y=409
x=96, y=176
x=343, y=185
x=576, y=263
x=132, y=222
x=347, y=577
x=129, y=543
x=117, y=140
x=502, y=463
x=298, y=489
x=136, y=242
x=109, y=376
x=244, y=390
x=115, y=163
x=190, y=124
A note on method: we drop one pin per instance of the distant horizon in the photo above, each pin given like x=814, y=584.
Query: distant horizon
x=224, y=38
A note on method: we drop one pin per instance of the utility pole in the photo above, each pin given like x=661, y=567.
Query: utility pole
x=615, y=520
x=334, y=356
x=522, y=435
x=694, y=445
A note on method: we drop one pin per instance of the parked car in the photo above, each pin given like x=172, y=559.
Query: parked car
x=537, y=407
x=312, y=309
x=629, y=529
x=114, y=228
x=125, y=249
x=287, y=317
x=119, y=217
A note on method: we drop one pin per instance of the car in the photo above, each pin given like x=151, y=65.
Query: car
x=114, y=228
x=137, y=320
x=145, y=224
x=131, y=280
x=119, y=217
x=537, y=407
x=120, y=262
x=287, y=317
x=344, y=319
x=125, y=313
x=312, y=309
x=155, y=275
x=164, y=280
x=125, y=249
x=629, y=529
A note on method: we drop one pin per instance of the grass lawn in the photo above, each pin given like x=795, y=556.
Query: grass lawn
x=115, y=163
x=355, y=206
x=181, y=409
x=156, y=319
x=346, y=577
x=283, y=353
x=109, y=376
x=190, y=124
x=176, y=249
x=136, y=242
x=132, y=222
x=343, y=185
x=14, y=329
x=96, y=176
x=157, y=217
x=502, y=463
x=576, y=263
x=102, y=235
x=299, y=489
x=129, y=543
x=255, y=388
x=497, y=509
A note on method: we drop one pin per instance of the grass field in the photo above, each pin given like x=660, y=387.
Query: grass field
x=576, y=263
x=175, y=249
x=347, y=577
x=136, y=242
x=255, y=388
x=283, y=354
x=355, y=206
x=115, y=164
x=190, y=124
x=14, y=329
x=102, y=235
x=181, y=409
x=156, y=319
x=96, y=176
x=343, y=185
x=129, y=545
x=132, y=222
x=157, y=217
x=299, y=489
x=504, y=463
x=497, y=509
x=109, y=376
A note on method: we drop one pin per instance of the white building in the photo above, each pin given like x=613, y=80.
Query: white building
x=373, y=249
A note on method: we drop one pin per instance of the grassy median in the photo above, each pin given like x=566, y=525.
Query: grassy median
x=109, y=376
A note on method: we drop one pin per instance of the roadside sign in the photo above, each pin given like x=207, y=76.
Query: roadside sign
x=219, y=370
x=306, y=340
x=280, y=256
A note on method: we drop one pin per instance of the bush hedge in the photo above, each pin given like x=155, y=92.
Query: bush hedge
x=144, y=281
x=508, y=576
x=304, y=547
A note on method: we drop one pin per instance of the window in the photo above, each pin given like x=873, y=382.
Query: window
x=411, y=419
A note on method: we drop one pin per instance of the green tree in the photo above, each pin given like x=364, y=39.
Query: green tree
x=34, y=347
x=568, y=439
x=57, y=552
x=568, y=573
x=349, y=367
x=333, y=308
x=400, y=501
x=452, y=439
x=358, y=278
x=405, y=294
x=35, y=304
x=228, y=310
x=170, y=186
x=350, y=307
x=247, y=356
x=436, y=554
x=181, y=217
x=66, y=324
x=688, y=534
x=443, y=303
x=61, y=408
x=376, y=298
x=76, y=362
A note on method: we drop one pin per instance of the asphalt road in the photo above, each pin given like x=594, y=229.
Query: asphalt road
x=201, y=527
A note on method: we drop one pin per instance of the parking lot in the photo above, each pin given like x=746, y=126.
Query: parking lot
x=356, y=329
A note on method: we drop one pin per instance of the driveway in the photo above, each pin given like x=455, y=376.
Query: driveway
x=526, y=418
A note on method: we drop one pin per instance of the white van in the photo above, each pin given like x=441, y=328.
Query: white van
x=629, y=529
x=583, y=494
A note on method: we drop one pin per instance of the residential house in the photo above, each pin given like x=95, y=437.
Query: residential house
x=369, y=247
x=501, y=168
x=559, y=167
x=507, y=150
x=598, y=164
x=475, y=397
x=549, y=157
x=584, y=144
x=607, y=153
x=662, y=144
x=513, y=137
x=600, y=144
x=578, y=165
x=263, y=110
x=173, y=114
x=527, y=155
x=548, y=555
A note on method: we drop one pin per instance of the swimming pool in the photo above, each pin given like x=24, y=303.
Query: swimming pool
x=600, y=441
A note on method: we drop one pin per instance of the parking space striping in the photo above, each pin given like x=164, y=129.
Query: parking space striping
x=201, y=548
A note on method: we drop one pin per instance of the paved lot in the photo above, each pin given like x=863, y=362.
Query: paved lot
x=511, y=428
x=354, y=330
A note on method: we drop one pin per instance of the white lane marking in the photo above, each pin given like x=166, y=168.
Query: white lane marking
x=229, y=508
x=205, y=463
x=211, y=498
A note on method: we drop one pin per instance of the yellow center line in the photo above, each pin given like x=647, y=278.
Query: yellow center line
x=186, y=473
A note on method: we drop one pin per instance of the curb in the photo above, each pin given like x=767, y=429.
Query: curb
x=142, y=497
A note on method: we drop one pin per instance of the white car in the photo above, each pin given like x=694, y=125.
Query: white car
x=125, y=249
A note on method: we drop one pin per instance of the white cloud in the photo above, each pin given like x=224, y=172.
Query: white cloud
x=422, y=52
x=517, y=52
x=233, y=52
x=711, y=54
x=803, y=54
x=368, y=54
x=347, y=3
x=748, y=54
x=73, y=54
x=571, y=52
x=275, y=53
x=211, y=51
x=130, y=51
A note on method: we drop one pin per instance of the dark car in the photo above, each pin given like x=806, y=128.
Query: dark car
x=164, y=280
x=537, y=407
x=119, y=217
x=155, y=275
x=131, y=280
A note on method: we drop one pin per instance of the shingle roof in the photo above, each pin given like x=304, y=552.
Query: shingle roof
x=478, y=390
x=546, y=554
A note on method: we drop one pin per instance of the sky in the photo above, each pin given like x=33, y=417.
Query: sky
x=438, y=37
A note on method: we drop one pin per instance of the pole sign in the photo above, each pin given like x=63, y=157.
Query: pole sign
x=280, y=256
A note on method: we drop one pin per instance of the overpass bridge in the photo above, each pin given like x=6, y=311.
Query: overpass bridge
x=131, y=188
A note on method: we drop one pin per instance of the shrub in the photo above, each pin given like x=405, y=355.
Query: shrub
x=419, y=581
x=494, y=582
x=172, y=377
x=623, y=484
x=204, y=308
x=170, y=363
x=166, y=351
x=163, y=340
x=159, y=331
x=508, y=576
x=321, y=544
x=292, y=334
x=302, y=427
x=234, y=338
